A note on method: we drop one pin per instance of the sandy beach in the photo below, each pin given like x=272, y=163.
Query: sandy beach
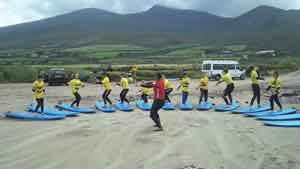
x=192, y=139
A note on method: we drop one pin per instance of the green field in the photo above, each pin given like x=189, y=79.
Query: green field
x=171, y=60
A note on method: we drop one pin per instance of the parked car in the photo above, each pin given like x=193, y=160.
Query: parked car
x=213, y=69
x=57, y=76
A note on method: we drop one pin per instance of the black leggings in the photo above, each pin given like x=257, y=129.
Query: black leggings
x=156, y=106
x=275, y=98
x=256, y=94
x=204, y=93
x=77, y=99
x=145, y=98
x=123, y=95
x=105, y=97
x=185, y=96
x=167, y=93
x=227, y=92
x=40, y=104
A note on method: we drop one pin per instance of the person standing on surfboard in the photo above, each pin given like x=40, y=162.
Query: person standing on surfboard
x=159, y=100
x=76, y=84
x=146, y=91
x=108, y=88
x=38, y=87
x=168, y=89
x=203, y=86
x=254, y=75
x=226, y=77
x=133, y=70
x=125, y=88
x=184, y=87
x=274, y=85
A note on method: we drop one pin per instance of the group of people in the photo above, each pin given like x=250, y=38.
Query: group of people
x=162, y=88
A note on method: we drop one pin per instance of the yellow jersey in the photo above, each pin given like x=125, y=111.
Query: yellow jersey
x=227, y=79
x=134, y=68
x=38, y=88
x=147, y=91
x=275, y=84
x=254, y=77
x=168, y=85
x=184, y=84
x=124, y=83
x=106, y=83
x=204, y=83
x=76, y=84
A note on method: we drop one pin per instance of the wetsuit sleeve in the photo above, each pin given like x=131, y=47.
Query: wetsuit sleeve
x=34, y=87
x=269, y=86
x=279, y=85
x=44, y=87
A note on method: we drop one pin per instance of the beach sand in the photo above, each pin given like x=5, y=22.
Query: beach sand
x=192, y=139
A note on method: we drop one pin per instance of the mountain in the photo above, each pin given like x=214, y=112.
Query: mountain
x=269, y=27
x=263, y=27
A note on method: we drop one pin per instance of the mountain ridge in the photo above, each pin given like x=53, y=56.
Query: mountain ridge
x=156, y=26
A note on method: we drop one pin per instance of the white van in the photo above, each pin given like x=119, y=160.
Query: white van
x=213, y=69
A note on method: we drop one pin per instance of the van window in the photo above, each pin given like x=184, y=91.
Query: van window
x=223, y=66
x=206, y=66
x=231, y=67
x=218, y=66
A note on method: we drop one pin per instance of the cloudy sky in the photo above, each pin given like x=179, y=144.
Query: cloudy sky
x=19, y=11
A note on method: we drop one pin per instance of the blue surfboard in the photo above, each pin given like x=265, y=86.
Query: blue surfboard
x=123, y=106
x=205, y=106
x=252, y=109
x=33, y=116
x=271, y=113
x=225, y=108
x=283, y=123
x=281, y=117
x=187, y=106
x=104, y=108
x=67, y=107
x=169, y=106
x=51, y=112
x=143, y=106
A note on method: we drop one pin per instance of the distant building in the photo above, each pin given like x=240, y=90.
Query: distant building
x=227, y=53
x=34, y=55
x=266, y=52
x=245, y=57
x=55, y=55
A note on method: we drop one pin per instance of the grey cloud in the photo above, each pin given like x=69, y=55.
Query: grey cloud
x=22, y=11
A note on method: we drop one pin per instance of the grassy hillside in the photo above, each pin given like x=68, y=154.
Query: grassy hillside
x=261, y=28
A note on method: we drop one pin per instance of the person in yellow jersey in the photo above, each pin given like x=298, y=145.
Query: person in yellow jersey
x=184, y=87
x=146, y=91
x=168, y=88
x=76, y=84
x=133, y=70
x=255, y=77
x=274, y=85
x=203, y=86
x=108, y=88
x=38, y=87
x=125, y=88
x=226, y=77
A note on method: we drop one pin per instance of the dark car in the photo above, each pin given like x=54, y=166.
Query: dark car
x=57, y=77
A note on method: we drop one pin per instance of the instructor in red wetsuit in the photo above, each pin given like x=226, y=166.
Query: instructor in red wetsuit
x=159, y=100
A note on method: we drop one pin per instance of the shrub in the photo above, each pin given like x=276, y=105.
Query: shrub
x=17, y=74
